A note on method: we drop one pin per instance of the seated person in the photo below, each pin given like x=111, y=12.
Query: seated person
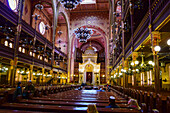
x=108, y=88
x=112, y=103
x=18, y=91
x=92, y=109
x=28, y=89
x=101, y=90
x=132, y=103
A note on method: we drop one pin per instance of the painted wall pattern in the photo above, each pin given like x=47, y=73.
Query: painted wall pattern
x=99, y=19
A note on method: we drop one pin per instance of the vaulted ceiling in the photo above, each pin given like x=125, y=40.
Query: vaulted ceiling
x=100, y=5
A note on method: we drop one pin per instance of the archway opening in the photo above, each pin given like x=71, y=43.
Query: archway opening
x=99, y=45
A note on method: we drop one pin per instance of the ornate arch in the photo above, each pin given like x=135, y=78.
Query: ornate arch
x=72, y=40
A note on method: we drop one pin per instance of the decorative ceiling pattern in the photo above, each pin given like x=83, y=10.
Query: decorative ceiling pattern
x=100, y=5
x=94, y=44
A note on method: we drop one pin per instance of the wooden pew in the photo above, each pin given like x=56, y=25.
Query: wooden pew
x=152, y=102
x=168, y=104
x=146, y=100
x=70, y=96
x=18, y=111
x=141, y=96
x=144, y=108
x=81, y=100
x=61, y=103
x=159, y=103
x=63, y=109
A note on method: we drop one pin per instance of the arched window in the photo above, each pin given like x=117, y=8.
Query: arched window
x=13, y=4
x=10, y=45
x=23, y=50
x=6, y=43
x=30, y=53
x=45, y=59
x=40, y=57
x=33, y=54
x=20, y=49
x=42, y=28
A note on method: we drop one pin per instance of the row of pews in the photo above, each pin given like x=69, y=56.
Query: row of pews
x=65, y=99
x=149, y=101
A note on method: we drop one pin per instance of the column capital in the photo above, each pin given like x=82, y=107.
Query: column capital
x=156, y=35
x=134, y=56
x=149, y=26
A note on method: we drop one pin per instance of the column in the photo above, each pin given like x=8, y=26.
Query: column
x=155, y=38
x=84, y=77
x=120, y=75
x=16, y=41
x=42, y=81
x=10, y=71
x=93, y=77
x=134, y=58
x=123, y=39
x=13, y=72
x=31, y=72
x=117, y=75
x=126, y=65
x=72, y=67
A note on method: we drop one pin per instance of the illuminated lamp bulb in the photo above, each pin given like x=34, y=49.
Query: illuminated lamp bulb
x=150, y=62
x=168, y=42
x=114, y=75
x=153, y=63
x=132, y=64
x=136, y=62
x=157, y=48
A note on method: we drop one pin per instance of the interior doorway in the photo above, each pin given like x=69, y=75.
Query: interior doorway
x=89, y=77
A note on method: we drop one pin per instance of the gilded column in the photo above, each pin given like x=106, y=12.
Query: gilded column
x=134, y=59
x=126, y=76
x=155, y=39
x=31, y=72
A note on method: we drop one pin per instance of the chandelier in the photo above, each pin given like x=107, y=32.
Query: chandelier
x=70, y=4
x=83, y=34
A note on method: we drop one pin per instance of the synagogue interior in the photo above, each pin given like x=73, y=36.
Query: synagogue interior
x=84, y=56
